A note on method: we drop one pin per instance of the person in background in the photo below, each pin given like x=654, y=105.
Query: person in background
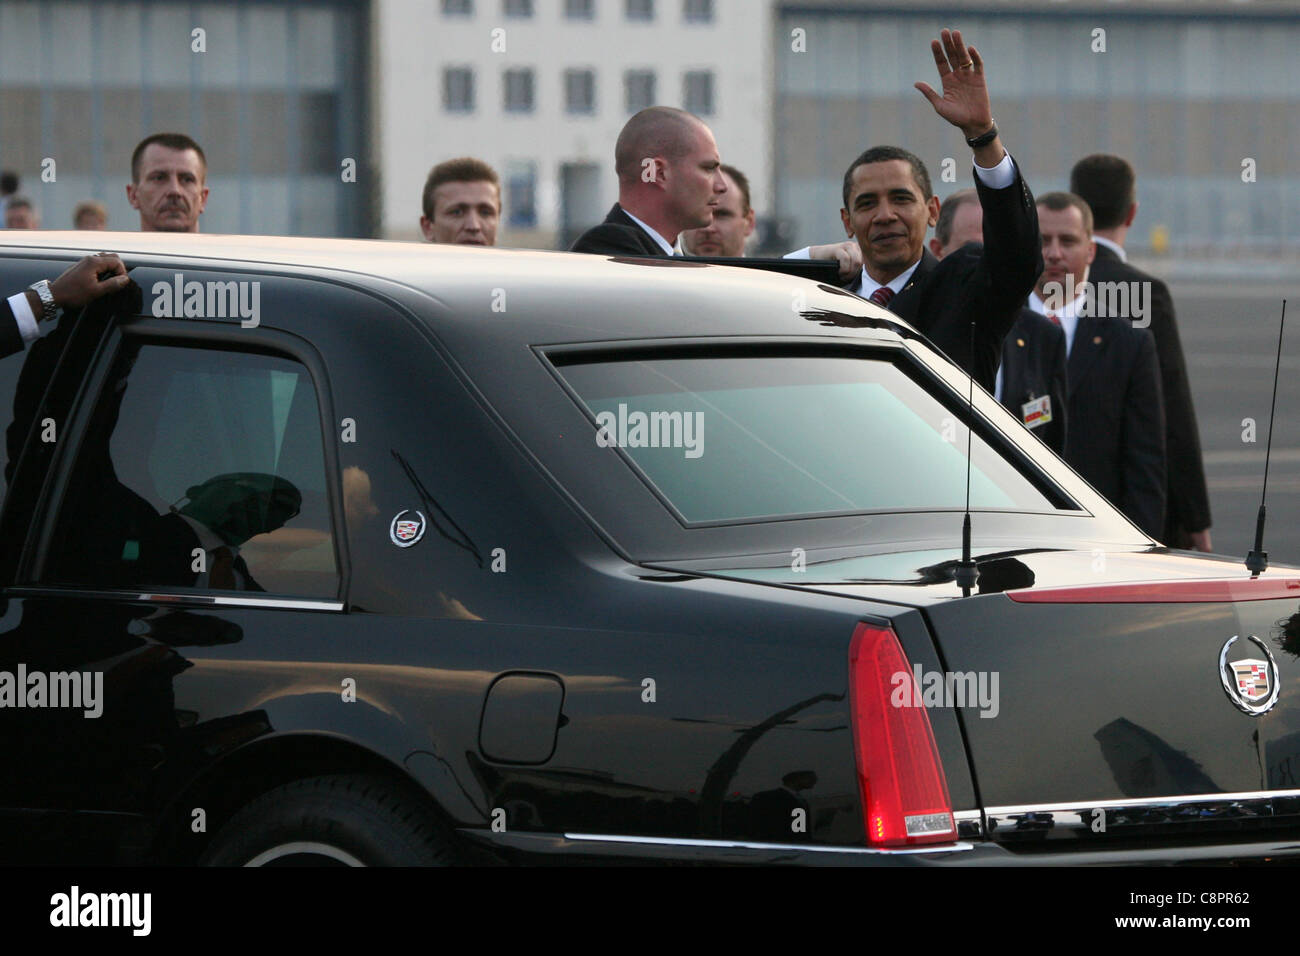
x=462, y=203
x=669, y=180
x=1117, y=425
x=90, y=214
x=168, y=183
x=1108, y=185
x=733, y=222
x=21, y=214
x=1031, y=380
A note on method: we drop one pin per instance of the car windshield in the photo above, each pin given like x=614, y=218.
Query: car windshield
x=736, y=438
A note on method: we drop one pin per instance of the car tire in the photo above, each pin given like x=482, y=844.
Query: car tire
x=343, y=820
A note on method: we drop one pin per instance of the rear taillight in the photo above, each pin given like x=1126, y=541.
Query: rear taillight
x=904, y=791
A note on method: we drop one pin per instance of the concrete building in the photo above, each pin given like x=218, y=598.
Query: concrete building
x=541, y=88
x=324, y=117
x=274, y=93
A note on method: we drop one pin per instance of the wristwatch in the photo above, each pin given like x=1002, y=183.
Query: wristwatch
x=983, y=139
x=48, y=309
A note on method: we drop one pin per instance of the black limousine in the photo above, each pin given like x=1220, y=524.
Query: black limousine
x=343, y=552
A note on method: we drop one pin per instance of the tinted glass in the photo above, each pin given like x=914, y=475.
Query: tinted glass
x=201, y=469
x=736, y=438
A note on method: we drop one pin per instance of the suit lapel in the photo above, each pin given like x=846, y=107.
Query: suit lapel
x=907, y=296
x=1090, y=341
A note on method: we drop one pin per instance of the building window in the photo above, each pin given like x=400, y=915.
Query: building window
x=640, y=9
x=697, y=93
x=521, y=194
x=519, y=91
x=458, y=89
x=580, y=9
x=457, y=8
x=580, y=91
x=518, y=9
x=697, y=11
x=639, y=87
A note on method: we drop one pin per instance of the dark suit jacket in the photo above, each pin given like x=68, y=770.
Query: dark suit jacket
x=618, y=235
x=1033, y=365
x=987, y=284
x=1116, y=438
x=1187, y=505
x=11, y=340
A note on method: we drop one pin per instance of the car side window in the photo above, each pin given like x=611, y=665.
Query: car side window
x=200, y=469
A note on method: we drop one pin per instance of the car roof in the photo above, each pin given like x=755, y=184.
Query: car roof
x=566, y=297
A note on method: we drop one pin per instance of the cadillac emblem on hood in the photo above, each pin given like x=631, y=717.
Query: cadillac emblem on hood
x=1251, y=683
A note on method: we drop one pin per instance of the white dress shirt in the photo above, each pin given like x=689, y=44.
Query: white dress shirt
x=1068, y=316
x=27, y=326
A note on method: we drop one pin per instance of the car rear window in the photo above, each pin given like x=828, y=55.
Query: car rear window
x=736, y=438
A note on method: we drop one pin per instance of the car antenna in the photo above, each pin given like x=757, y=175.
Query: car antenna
x=1257, y=560
x=966, y=572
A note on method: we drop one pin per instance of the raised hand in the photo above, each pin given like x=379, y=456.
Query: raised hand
x=965, y=99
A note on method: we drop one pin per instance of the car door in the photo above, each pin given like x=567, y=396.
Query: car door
x=181, y=507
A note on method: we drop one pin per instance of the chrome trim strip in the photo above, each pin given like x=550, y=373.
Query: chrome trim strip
x=1103, y=816
x=299, y=604
x=745, y=845
x=1144, y=802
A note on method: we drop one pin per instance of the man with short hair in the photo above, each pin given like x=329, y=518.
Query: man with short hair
x=1117, y=430
x=90, y=214
x=972, y=297
x=733, y=221
x=168, y=176
x=669, y=180
x=461, y=203
x=1031, y=380
x=1107, y=183
x=21, y=214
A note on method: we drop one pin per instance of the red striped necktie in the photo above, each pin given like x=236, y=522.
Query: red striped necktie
x=882, y=296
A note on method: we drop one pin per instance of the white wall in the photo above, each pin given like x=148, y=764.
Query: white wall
x=414, y=41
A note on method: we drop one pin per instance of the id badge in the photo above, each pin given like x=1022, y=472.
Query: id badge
x=1037, y=412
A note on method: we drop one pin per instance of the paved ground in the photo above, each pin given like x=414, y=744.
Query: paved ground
x=1229, y=335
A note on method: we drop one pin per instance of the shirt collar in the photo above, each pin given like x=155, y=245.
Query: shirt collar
x=1069, y=311
x=1113, y=246
x=867, y=286
x=663, y=243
